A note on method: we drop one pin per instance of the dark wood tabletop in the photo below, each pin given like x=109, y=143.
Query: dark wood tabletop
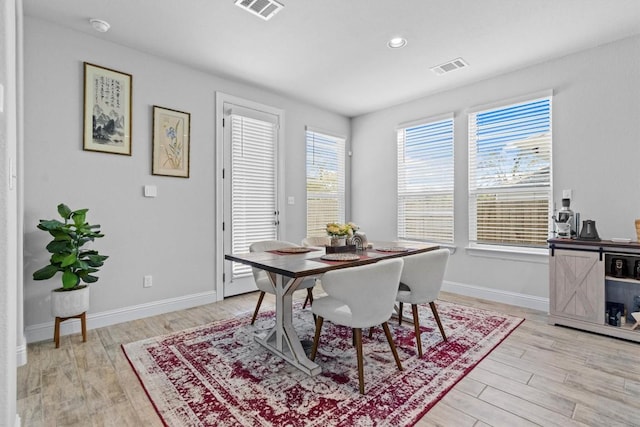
x=310, y=264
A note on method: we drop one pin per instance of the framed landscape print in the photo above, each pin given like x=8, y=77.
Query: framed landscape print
x=107, y=110
x=171, y=142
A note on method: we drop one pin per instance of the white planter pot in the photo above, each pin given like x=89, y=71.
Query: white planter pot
x=69, y=303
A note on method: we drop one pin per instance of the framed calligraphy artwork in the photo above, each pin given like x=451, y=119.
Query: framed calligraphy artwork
x=171, y=142
x=107, y=110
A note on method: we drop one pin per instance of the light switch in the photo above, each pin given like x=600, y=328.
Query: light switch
x=566, y=194
x=150, y=191
x=292, y=200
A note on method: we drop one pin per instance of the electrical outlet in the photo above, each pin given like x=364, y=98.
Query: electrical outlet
x=147, y=282
x=566, y=194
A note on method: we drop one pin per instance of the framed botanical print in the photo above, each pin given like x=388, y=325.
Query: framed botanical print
x=171, y=142
x=107, y=110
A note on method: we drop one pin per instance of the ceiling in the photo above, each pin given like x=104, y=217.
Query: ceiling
x=334, y=54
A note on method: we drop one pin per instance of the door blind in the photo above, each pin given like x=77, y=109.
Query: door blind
x=325, y=181
x=253, y=181
x=510, y=174
x=425, y=181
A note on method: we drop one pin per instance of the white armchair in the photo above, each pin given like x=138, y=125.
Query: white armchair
x=262, y=280
x=420, y=283
x=359, y=297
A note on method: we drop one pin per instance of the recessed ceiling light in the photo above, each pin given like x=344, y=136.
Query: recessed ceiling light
x=397, y=42
x=100, y=25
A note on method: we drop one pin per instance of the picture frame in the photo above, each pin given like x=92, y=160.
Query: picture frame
x=107, y=110
x=171, y=142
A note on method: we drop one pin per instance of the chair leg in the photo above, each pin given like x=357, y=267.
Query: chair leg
x=83, y=324
x=400, y=313
x=308, y=299
x=255, y=313
x=371, y=332
x=416, y=325
x=435, y=315
x=357, y=335
x=387, y=332
x=56, y=332
x=316, y=338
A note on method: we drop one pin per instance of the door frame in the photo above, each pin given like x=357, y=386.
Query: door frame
x=221, y=99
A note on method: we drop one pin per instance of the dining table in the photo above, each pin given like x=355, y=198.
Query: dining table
x=288, y=267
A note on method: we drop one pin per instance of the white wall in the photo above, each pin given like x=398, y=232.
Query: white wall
x=170, y=237
x=596, y=137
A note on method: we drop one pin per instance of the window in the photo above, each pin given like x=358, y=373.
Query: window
x=325, y=181
x=510, y=173
x=425, y=180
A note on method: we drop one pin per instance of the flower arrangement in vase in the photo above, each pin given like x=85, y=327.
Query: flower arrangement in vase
x=341, y=234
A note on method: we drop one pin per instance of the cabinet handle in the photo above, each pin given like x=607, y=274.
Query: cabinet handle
x=553, y=247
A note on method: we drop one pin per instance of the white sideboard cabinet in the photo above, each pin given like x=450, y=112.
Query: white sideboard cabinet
x=595, y=286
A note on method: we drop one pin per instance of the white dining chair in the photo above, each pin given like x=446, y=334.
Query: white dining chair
x=262, y=280
x=420, y=283
x=359, y=297
x=316, y=241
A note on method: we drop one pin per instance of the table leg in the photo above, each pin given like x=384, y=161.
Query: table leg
x=282, y=339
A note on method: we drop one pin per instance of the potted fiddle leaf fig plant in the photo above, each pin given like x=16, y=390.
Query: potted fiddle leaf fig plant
x=77, y=264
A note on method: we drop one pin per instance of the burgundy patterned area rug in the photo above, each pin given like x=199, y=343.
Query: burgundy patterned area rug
x=217, y=375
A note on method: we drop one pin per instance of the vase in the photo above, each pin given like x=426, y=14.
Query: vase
x=69, y=303
x=338, y=241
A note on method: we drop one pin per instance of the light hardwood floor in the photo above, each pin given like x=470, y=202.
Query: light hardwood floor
x=540, y=375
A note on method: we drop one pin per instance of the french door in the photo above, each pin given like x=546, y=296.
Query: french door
x=250, y=186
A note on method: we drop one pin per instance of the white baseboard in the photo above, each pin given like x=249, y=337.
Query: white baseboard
x=497, y=295
x=44, y=331
x=21, y=353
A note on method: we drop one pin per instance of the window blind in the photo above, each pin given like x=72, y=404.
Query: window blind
x=325, y=181
x=425, y=181
x=510, y=174
x=253, y=181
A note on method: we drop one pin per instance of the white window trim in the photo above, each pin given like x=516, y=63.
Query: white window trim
x=519, y=253
x=425, y=121
x=513, y=253
x=418, y=122
x=515, y=100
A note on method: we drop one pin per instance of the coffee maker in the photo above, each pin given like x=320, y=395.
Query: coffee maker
x=565, y=221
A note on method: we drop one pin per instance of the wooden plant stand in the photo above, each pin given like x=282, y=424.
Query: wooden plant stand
x=83, y=322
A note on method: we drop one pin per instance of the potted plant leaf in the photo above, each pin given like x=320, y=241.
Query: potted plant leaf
x=77, y=264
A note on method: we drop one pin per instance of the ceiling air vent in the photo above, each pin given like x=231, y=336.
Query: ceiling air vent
x=447, y=67
x=265, y=9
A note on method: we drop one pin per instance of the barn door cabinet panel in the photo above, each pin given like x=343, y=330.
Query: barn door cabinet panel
x=578, y=291
x=592, y=282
